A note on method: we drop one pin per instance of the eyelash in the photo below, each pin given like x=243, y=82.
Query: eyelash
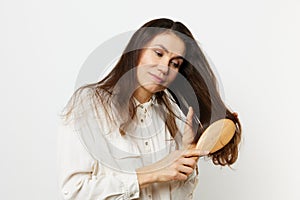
x=160, y=54
x=176, y=65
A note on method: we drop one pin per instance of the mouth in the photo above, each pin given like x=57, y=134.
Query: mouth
x=156, y=78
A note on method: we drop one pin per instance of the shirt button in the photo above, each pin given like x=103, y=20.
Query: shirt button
x=142, y=120
x=147, y=146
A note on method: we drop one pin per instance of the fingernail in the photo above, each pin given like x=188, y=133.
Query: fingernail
x=206, y=152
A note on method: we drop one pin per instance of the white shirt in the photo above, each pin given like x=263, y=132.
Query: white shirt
x=97, y=162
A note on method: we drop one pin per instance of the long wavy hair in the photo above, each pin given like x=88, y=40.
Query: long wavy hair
x=195, y=74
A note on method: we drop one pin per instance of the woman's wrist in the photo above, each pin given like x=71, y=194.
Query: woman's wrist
x=144, y=177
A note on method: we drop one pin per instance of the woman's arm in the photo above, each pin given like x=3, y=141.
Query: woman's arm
x=177, y=166
x=80, y=176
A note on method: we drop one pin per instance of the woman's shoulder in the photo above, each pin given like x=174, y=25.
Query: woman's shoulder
x=85, y=101
x=91, y=96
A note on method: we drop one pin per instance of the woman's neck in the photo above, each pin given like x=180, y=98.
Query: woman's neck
x=142, y=95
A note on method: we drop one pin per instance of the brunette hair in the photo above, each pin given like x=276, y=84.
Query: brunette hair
x=195, y=70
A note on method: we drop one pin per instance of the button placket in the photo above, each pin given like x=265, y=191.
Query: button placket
x=147, y=145
x=143, y=114
x=140, y=115
x=150, y=193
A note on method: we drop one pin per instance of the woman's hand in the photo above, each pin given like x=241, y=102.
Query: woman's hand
x=178, y=165
x=188, y=135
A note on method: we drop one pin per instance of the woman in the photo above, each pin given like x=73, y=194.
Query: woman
x=127, y=137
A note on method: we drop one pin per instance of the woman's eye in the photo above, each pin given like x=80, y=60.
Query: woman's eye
x=158, y=53
x=175, y=64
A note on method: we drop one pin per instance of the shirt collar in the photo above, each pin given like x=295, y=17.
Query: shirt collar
x=152, y=101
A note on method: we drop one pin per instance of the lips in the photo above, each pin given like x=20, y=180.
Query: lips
x=157, y=78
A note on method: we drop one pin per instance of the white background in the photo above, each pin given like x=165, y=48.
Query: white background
x=254, y=46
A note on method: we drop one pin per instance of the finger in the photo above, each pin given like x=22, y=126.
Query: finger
x=192, y=146
x=194, y=153
x=235, y=114
x=185, y=169
x=189, y=116
x=181, y=177
x=191, y=162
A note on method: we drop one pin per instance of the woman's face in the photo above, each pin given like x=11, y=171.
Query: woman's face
x=159, y=63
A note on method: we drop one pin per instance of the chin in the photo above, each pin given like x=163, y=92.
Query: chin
x=155, y=88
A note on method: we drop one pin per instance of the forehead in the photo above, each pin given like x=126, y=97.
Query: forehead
x=170, y=41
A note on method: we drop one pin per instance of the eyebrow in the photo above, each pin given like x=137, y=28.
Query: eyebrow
x=165, y=49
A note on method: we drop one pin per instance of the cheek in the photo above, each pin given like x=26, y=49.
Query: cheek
x=145, y=59
x=141, y=72
x=172, y=76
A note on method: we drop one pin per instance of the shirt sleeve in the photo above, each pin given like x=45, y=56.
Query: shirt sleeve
x=80, y=177
x=185, y=189
x=190, y=184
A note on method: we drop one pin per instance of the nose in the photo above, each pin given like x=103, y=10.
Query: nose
x=163, y=66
